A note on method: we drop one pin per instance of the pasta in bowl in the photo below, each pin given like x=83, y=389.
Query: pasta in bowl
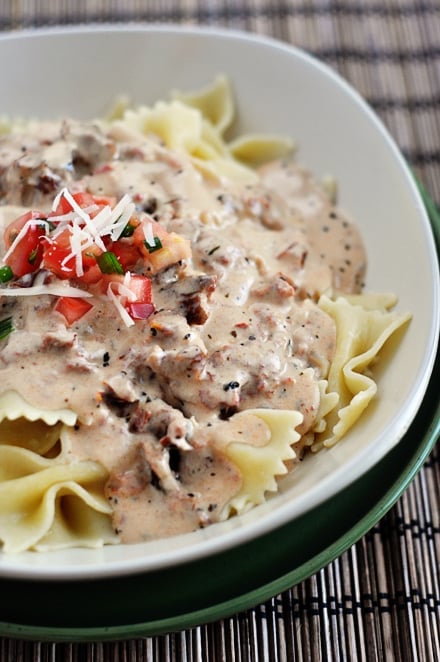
x=184, y=320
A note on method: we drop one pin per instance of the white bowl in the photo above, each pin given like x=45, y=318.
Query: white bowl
x=279, y=89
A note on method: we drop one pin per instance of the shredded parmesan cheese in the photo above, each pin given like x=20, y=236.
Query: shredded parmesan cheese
x=86, y=231
x=148, y=234
x=65, y=219
x=116, y=299
x=55, y=289
x=119, y=224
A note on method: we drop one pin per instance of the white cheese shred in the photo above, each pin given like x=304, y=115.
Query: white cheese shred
x=116, y=299
x=86, y=231
x=54, y=289
x=120, y=220
x=148, y=234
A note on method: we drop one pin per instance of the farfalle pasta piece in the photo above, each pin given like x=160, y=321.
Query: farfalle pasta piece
x=49, y=504
x=261, y=465
x=362, y=330
x=224, y=167
x=195, y=123
x=328, y=400
x=179, y=126
x=215, y=102
x=383, y=301
x=256, y=149
x=13, y=406
x=46, y=503
x=184, y=129
x=36, y=435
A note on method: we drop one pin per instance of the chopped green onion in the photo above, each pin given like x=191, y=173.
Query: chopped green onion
x=6, y=274
x=33, y=256
x=127, y=231
x=6, y=327
x=153, y=247
x=109, y=263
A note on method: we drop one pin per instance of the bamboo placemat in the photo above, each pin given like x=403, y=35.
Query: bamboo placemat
x=380, y=600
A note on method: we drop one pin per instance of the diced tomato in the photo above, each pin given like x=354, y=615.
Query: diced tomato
x=139, y=234
x=73, y=308
x=138, y=284
x=89, y=256
x=173, y=247
x=92, y=275
x=105, y=280
x=141, y=288
x=83, y=199
x=141, y=306
x=13, y=229
x=56, y=252
x=127, y=253
x=28, y=252
x=104, y=200
x=139, y=311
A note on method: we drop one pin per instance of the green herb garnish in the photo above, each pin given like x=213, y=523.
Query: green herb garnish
x=153, y=247
x=6, y=327
x=127, y=231
x=33, y=256
x=109, y=263
x=6, y=274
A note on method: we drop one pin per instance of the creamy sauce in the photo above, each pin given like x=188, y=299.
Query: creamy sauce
x=235, y=327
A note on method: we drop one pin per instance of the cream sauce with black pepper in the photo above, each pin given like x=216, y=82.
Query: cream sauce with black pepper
x=234, y=328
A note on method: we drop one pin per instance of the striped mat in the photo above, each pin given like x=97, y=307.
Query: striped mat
x=379, y=600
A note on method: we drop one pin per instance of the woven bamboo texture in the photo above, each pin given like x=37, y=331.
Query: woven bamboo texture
x=380, y=600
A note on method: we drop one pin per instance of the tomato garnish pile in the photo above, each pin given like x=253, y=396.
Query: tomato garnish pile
x=98, y=244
